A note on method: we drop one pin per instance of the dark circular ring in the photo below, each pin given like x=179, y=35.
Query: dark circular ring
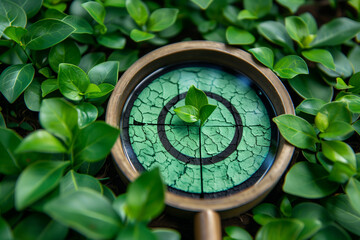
x=193, y=160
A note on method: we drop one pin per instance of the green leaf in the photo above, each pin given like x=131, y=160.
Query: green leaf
x=64, y=52
x=46, y=33
x=245, y=14
x=341, y=210
x=36, y=181
x=106, y=72
x=101, y=90
x=90, y=60
x=355, y=82
x=356, y=126
x=91, y=168
x=314, y=183
x=286, y=228
x=205, y=112
x=5, y=230
x=119, y=206
x=73, y=81
x=203, y=4
x=140, y=36
x=32, y=96
x=236, y=36
x=196, y=98
x=41, y=227
x=87, y=113
x=321, y=56
x=292, y=5
x=94, y=142
x=336, y=32
x=310, y=106
x=74, y=181
x=2, y=121
x=267, y=209
x=258, y=8
x=48, y=86
x=80, y=24
x=138, y=11
x=41, y=141
x=238, y=233
x=112, y=40
x=353, y=55
x=352, y=102
x=114, y=3
x=310, y=210
x=96, y=11
x=9, y=141
x=310, y=86
x=336, y=112
x=46, y=72
x=11, y=14
x=31, y=7
x=87, y=212
x=310, y=21
x=275, y=32
x=331, y=232
x=145, y=196
x=136, y=231
x=353, y=192
x=297, y=131
x=59, y=117
x=188, y=113
x=15, y=79
x=125, y=57
x=285, y=207
x=338, y=151
x=162, y=18
x=297, y=29
x=321, y=121
x=290, y=66
x=15, y=33
x=337, y=131
x=343, y=67
x=341, y=85
x=264, y=55
x=7, y=189
x=341, y=172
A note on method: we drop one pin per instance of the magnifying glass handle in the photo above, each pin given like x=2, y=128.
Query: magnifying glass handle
x=207, y=225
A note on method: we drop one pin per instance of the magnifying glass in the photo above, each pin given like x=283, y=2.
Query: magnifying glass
x=224, y=167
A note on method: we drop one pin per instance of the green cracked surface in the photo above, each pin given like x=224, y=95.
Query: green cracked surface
x=216, y=134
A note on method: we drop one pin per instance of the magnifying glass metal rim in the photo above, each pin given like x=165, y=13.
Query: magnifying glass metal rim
x=223, y=55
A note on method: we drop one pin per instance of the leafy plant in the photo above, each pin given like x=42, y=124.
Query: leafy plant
x=196, y=107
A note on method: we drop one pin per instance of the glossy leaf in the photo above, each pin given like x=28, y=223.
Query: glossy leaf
x=275, y=32
x=341, y=210
x=264, y=55
x=336, y=111
x=292, y=5
x=80, y=24
x=309, y=20
x=106, y=72
x=90, y=60
x=125, y=57
x=64, y=52
x=32, y=96
x=236, y=36
x=145, y=196
x=245, y=14
x=114, y=41
x=310, y=86
x=9, y=141
x=352, y=102
x=355, y=82
x=343, y=67
x=285, y=207
x=311, y=106
x=259, y=8
x=138, y=11
x=58, y=117
x=136, y=231
x=310, y=210
x=205, y=112
x=337, y=131
x=46, y=33
x=101, y=90
x=36, y=181
x=353, y=56
x=297, y=29
x=188, y=113
x=238, y=233
x=290, y=66
x=336, y=32
x=15, y=33
x=341, y=172
x=353, y=192
x=74, y=181
x=338, y=151
x=139, y=36
x=87, y=113
x=87, y=212
x=267, y=209
x=94, y=142
x=15, y=79
x=7, y=189
x=297, y=131
x=331, y=232
x=31, y=7
x=313, y=184
x=341, y=85
x=11, y=15
x=321, y=56
x=96, y=11
x=286, y=228
x=41, y=227
x=5, y=230
x=195, y=97
x=203, y=4
x=162, y=18
x=73, y=81
x=114, y=3
x=119, y=206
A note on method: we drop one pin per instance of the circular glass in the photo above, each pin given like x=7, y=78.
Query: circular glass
x=232, y=151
